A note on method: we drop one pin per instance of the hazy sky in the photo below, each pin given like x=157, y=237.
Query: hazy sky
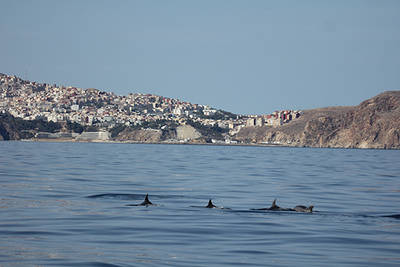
x=244, y=56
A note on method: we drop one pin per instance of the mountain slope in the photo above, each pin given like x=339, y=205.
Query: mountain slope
x=375, y=123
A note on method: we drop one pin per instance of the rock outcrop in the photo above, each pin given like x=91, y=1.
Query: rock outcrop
x=375, y=123
x=8, y=129
x=15, y=128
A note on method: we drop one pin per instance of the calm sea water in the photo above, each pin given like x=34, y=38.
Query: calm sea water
x=65, y=204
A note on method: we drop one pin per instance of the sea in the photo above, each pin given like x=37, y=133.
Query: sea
x=67, y=204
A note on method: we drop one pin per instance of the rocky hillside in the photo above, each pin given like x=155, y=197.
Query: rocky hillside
x=375, y=123
x=9, y=128
x=12, y=128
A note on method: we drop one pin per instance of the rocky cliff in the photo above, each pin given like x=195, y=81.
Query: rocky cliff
x=8, y=128
x=375, y=123
x=12, y=128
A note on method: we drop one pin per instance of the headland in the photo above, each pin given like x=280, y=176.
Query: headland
x=43, y=112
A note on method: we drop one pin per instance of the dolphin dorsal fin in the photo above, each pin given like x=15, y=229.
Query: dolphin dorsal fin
x=210, y=204
x=147, y=201
x=274, y=203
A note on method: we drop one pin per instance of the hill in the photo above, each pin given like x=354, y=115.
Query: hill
x=33, y=110
x=375, y=123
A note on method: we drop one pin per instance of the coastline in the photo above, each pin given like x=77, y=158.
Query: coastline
x=63, y=140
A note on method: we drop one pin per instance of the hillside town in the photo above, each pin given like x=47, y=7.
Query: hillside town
x=105, y=110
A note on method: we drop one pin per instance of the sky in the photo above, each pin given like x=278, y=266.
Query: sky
x=246, y=57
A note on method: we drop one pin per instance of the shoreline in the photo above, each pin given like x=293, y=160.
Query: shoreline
x=63, y=140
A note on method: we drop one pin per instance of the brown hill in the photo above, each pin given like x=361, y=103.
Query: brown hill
x=375, y=123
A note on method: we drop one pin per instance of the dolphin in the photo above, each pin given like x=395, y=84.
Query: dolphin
x=146, y=202
x=301, y=208
x=211, y=205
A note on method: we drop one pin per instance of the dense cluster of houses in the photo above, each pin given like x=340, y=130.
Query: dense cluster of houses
x=32, y=100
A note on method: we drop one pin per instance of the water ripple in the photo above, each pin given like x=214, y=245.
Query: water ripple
x=64, y=204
